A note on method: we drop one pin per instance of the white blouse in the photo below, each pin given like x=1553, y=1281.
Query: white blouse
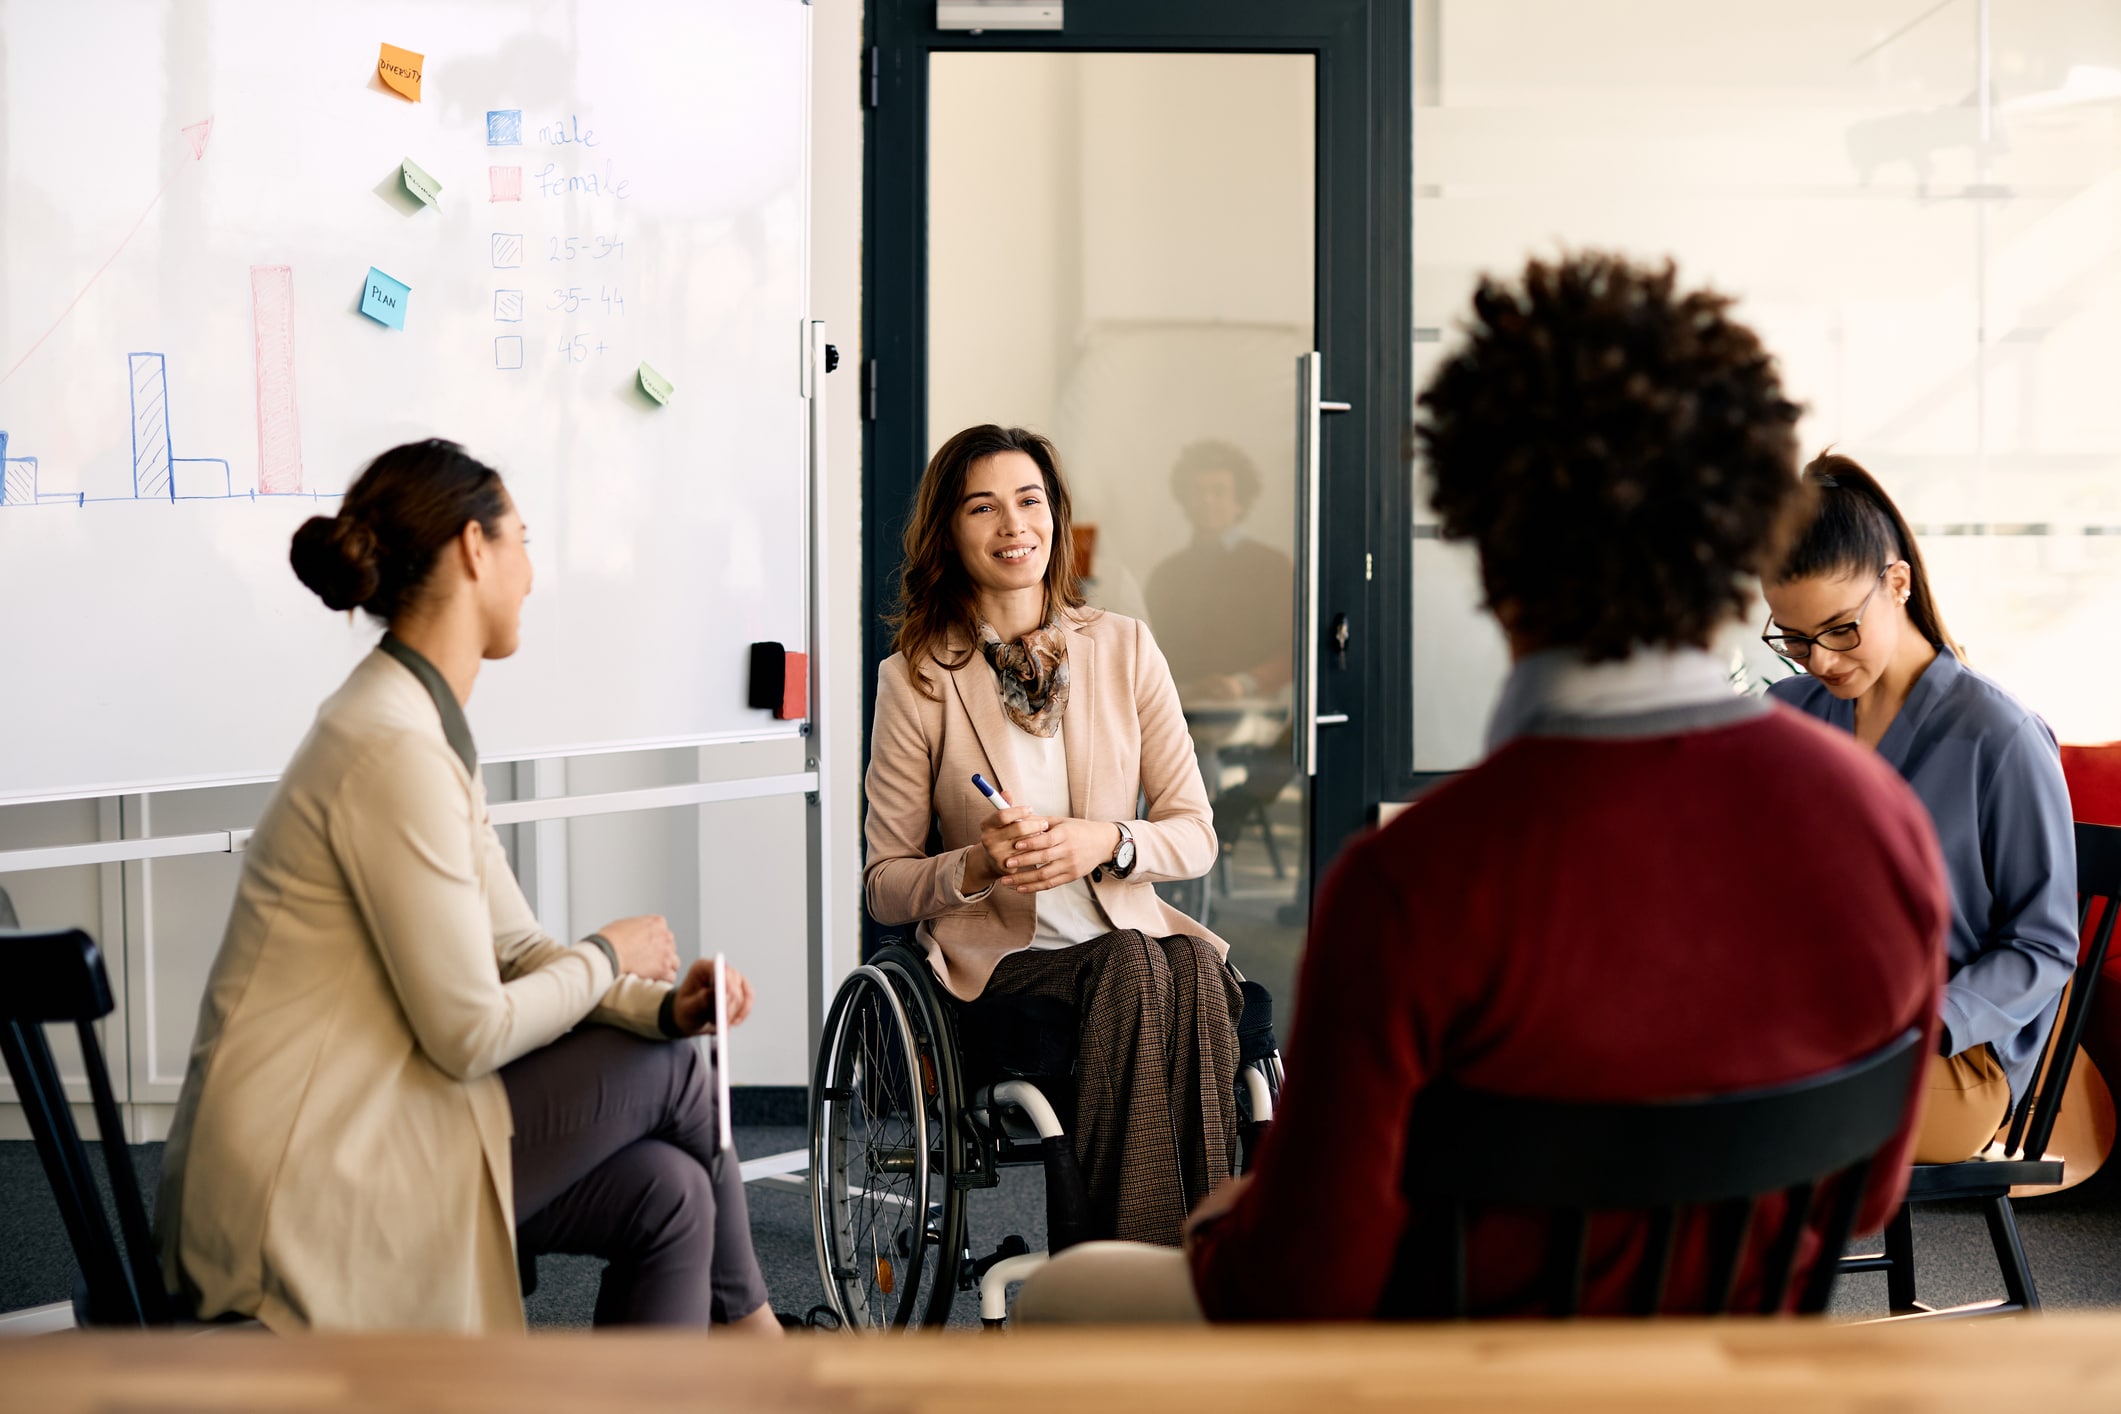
x=1069, y=914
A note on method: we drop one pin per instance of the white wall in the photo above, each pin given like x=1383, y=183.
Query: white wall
x=1948, y=308
x=729, y=876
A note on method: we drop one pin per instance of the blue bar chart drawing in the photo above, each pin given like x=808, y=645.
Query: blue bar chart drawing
x=18, y=477
x=158, y=473
x=150, y=384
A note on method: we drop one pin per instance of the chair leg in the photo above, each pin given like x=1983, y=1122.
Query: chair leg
x=1900, y=1251
x=1266, y=830
x=2010, y=1253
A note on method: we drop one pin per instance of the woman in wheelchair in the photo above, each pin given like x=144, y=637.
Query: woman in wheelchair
x=1071, y=714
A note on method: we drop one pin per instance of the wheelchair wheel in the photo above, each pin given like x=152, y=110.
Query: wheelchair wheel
x=889, y=1221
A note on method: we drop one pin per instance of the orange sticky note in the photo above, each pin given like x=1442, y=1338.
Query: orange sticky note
x=400, y=68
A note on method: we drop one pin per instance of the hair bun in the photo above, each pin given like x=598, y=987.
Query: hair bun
x=336, y=556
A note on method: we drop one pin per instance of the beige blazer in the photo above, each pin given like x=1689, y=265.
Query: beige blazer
x=1125, y=738
x=340, y=1151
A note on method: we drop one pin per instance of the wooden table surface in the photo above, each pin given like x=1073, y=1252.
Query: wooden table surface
x=2051, y=1364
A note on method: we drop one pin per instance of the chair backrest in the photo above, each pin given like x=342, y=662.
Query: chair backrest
x=57, y=978
x=2098, y=877
x=1811, y=1140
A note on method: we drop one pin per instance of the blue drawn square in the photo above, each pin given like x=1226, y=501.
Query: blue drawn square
x=383, y=298
x=507, y=250
x=508, y=306
x=508, y=351
x=504, y=127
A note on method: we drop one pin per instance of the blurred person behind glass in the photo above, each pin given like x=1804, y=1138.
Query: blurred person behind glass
x=1221, y=605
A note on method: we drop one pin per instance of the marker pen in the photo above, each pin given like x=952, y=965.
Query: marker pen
x=1001, y=802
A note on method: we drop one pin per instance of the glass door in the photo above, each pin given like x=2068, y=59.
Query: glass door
x=1173, y=237
x=1121, y=255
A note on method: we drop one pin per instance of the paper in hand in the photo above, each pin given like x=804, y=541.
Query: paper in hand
x=725, y=1139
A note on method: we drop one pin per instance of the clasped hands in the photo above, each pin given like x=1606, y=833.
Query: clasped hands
x=1025, y=851
x=647, y=948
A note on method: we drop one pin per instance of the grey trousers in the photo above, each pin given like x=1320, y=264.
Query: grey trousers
x=614, y=1155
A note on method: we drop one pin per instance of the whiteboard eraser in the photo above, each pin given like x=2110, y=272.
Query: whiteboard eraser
x=795, y=688
x=769, y=676
x=780, y=681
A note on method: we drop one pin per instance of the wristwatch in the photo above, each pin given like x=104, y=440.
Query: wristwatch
x=1122, y=861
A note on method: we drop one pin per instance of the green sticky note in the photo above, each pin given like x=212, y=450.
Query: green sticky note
x=654, y=384
x=426, y=188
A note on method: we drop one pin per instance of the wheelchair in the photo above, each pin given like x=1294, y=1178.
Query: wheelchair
x=918, y=1100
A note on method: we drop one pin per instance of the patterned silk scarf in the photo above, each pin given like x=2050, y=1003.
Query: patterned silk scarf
x=1033, y=673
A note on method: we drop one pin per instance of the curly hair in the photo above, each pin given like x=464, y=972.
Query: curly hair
x=1621, y=453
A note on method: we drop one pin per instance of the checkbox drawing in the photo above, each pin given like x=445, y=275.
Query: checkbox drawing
x=507, y=250
x=504, y=183
x=504, y=127
x=508, y=306
x=508, y=351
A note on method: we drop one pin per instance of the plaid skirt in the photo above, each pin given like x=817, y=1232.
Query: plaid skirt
x=1155, y=1074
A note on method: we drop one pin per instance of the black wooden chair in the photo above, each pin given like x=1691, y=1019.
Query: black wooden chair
x=1811, y=1140
x=53, y=978
x=2022, y=1160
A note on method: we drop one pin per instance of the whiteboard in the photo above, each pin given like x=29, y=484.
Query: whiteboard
x=192, y=194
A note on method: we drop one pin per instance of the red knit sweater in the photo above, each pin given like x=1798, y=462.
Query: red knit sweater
x=1583, y=919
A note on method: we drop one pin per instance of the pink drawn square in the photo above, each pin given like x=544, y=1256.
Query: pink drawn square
x=505, y=183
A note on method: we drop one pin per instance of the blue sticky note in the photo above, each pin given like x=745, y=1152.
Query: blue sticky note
x=383, y=299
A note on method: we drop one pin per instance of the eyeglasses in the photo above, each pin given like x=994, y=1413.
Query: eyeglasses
x=1797, y=647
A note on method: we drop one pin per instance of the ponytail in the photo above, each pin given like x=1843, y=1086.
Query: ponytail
x=1857, y=529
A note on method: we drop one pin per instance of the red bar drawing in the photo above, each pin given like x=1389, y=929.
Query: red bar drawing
x=272, y=302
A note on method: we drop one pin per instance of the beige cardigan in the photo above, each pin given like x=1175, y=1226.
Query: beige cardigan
x=1125, y=737
x=340, y=1152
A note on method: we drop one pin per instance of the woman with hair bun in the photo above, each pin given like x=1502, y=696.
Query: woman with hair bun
x=1852, y=606
x=388, y=1098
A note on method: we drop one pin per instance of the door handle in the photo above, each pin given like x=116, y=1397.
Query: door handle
x=1311, y=407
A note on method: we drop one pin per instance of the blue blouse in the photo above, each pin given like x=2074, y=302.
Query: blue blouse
x=1991, y=775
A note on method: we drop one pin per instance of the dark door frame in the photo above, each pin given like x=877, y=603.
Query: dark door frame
x=1363, y=315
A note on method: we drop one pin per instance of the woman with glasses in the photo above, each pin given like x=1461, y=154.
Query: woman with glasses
x=1852, y=607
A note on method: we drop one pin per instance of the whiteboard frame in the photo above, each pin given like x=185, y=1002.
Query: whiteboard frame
x=509, y=812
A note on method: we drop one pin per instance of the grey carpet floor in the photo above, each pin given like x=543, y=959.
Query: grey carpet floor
x=2072, y=1239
